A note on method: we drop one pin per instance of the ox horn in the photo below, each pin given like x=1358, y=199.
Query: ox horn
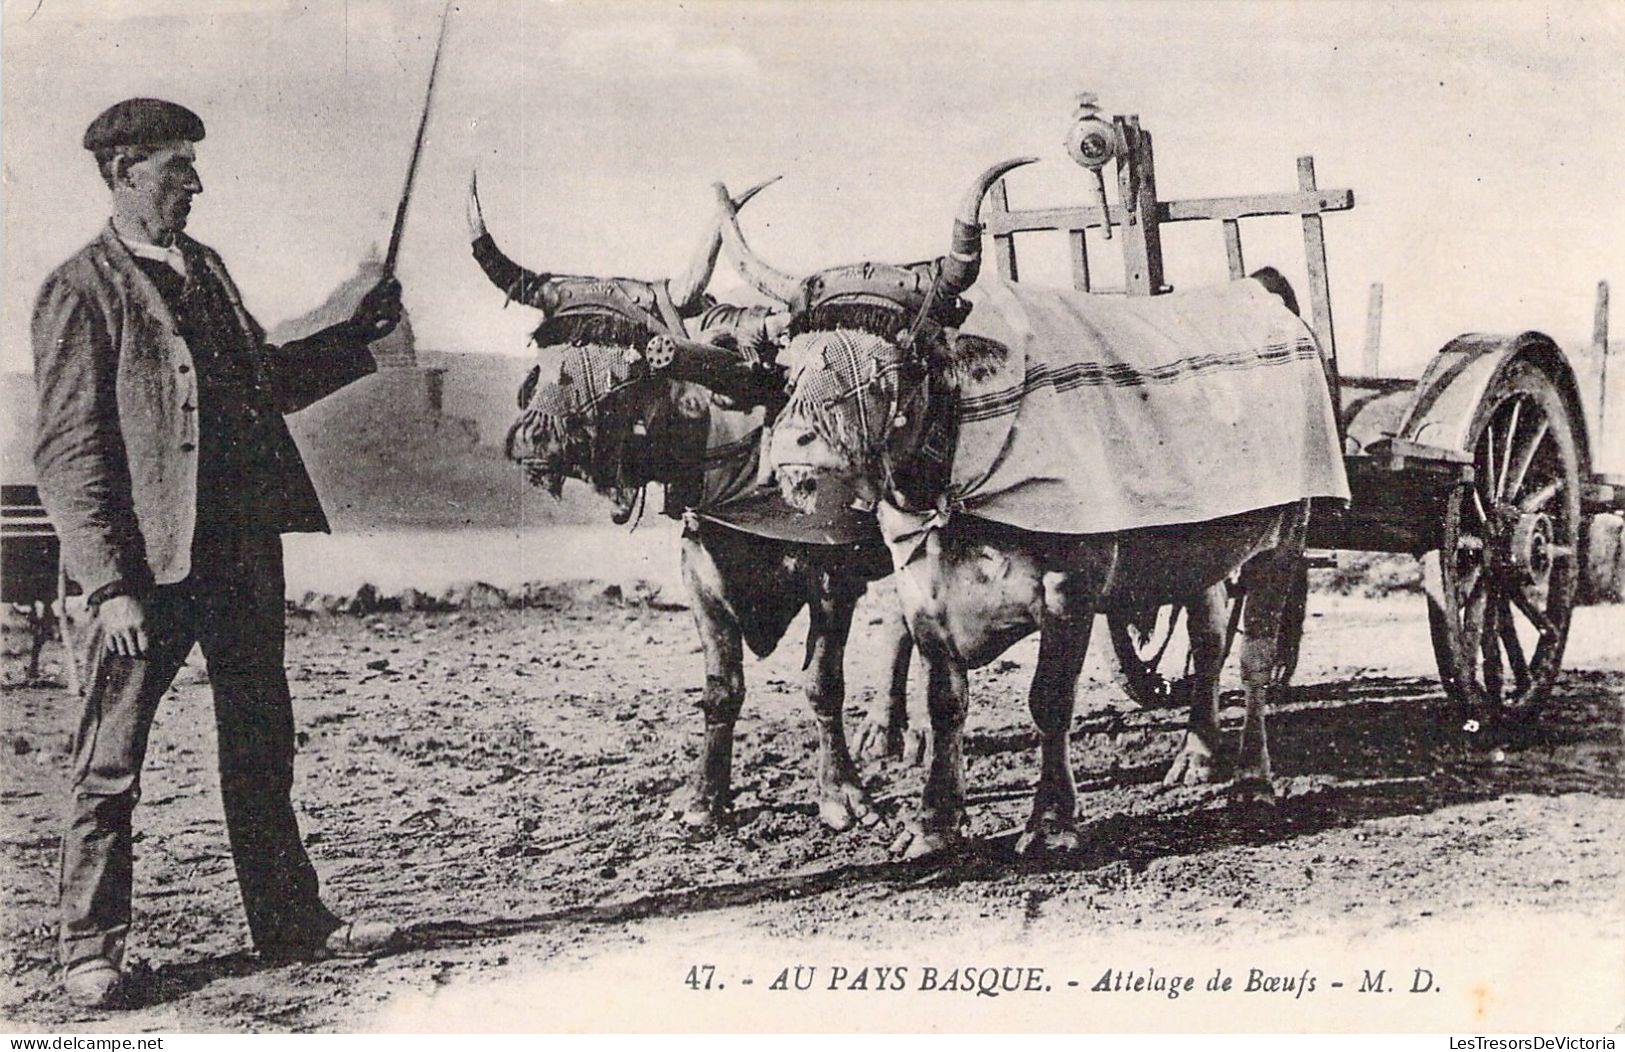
x=690, y=285
x=964, y=259
x=769, y=280
x=516, y=281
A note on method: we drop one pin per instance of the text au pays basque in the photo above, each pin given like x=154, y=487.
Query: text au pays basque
x=996, y=981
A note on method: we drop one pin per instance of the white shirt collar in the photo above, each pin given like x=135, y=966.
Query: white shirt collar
x=163, y=254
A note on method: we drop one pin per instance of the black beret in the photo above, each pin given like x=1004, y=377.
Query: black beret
x=140, y=122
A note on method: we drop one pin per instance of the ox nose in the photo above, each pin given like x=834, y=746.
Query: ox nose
x=794, y=443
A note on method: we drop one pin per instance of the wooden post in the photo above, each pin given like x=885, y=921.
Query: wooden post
x=1137, y=193
x=1004, y=245
x=1232, y=249
x=1320, y=292
x=1599, y=319
x=1599, y=340
x=1373, y=330
x=1080, y=261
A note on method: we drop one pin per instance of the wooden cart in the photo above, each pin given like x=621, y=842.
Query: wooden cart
x=31, y=574
x=1487, y=467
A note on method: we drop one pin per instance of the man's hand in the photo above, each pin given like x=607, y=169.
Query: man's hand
x=476, y=218
x=379, y=310
x=124, y=626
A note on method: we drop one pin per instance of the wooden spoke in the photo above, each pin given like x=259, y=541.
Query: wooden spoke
x=1535, y=614
x=1513, y=646
x=1515, y=481
x=1140, y=650
x=1472, y=586
x=1541, y=497
x=1168, y=637
x=1489, y=640
x=1506, y=453
x=1472, y=616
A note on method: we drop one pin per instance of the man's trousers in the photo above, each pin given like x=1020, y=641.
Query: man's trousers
x=232, y=606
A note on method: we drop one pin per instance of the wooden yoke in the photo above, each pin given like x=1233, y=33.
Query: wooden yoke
x=745, y=382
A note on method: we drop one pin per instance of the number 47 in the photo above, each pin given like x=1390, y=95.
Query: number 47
x=700, y=976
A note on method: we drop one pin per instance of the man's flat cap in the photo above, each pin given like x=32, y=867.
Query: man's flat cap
x=139, y=122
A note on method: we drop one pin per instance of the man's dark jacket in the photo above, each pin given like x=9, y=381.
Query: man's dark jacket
x=117, y=447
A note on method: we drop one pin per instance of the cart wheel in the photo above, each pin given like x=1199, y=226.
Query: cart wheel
x=1144, y=644
x=1507, y=563
x=1147, y=650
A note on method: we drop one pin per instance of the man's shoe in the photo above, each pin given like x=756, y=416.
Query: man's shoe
x=346, y=939
x=361, y=939
x=93, y=984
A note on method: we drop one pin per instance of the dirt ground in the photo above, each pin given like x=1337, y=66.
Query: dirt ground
x=501, y=783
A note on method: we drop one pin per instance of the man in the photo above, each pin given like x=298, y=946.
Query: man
x=164, y=462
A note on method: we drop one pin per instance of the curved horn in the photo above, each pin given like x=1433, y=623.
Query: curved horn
x=517, y=282
x=964, y=259
x=767, y=279
x=690, y=285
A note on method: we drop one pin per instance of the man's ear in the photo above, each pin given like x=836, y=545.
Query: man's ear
x=120, y=168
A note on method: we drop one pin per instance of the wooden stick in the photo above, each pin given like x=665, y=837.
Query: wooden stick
x=417, y=150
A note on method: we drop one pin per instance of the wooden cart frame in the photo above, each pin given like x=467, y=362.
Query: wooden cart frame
x=1483, y=467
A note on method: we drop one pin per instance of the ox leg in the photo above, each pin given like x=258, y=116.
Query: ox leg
x=711, y=797
x=1266, y=600
x=938, y=828
x=710, y=794
x=1053, y=827
x=41, y=623
x=1206, y=620
x=842, y=802
x=887, y=729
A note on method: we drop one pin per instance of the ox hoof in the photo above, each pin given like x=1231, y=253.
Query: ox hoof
x=1253, y=791
x=846, y=806
x=1049, y=835
x=698, y=817
x=1193, y=766
x=877, y=740
x=881, y=741
x=916, y=748
x=916, y=842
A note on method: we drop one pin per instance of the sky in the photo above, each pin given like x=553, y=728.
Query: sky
x=1485, y=143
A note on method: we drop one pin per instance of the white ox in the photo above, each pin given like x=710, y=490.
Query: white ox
x=888, y=386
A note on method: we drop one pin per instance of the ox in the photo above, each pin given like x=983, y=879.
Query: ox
x=879, y=358
x=613, y=421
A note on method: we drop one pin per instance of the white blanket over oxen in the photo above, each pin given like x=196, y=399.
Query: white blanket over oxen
x=1115, y=413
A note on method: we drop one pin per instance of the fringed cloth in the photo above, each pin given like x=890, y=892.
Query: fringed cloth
x=736, y=490
x=588, y=375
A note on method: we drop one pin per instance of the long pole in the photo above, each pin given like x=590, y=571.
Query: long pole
x=417, y=149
